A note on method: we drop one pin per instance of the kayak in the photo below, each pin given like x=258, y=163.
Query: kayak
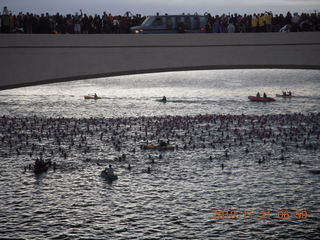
x=109, y=177
x=91, y=97
x=158, y=147
x=261, y=99
x=284, y=96
x=161, y=100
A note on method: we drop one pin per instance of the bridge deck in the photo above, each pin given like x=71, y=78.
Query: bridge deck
x=37, y=59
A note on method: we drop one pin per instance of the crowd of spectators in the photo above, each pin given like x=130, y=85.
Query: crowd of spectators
x=264, y=22
x=77, y=23
x=107, y=23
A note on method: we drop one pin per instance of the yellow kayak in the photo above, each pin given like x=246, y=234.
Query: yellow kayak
x=91, y=97
x=284, y=96
x=158, y=147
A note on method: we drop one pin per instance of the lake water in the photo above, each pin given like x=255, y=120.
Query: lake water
x=217, y=165
x=191, y=93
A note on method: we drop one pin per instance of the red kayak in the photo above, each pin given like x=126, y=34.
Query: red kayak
x=261, y=99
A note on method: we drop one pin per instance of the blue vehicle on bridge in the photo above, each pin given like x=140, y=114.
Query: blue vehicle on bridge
x=172, y=24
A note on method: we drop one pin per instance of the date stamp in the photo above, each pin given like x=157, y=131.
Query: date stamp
x=262, y=215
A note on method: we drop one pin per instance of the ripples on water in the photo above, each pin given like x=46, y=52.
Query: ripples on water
x=177, y=199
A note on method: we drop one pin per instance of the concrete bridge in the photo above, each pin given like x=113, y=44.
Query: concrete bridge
x=37, y=59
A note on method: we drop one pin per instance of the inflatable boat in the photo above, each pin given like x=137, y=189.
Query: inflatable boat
x=261, y=99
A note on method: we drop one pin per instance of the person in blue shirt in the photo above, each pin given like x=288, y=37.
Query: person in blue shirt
x=109, y=170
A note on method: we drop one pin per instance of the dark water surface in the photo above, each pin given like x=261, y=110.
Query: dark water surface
x=178, y=198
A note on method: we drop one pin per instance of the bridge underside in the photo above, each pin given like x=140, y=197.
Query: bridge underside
x=37, y=59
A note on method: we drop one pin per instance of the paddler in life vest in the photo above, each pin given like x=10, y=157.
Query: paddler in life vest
x=264, y=95
x=258, y=94
x=109, y=170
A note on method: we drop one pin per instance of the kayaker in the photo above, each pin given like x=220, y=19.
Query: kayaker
x=289, y=93
x=95, y=95
x=264, y=95
x=164, y=98
x=258, y=94
x=110, y=170
x=37, y=163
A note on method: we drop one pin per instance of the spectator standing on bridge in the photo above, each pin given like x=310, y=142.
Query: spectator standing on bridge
x=41, y=24
x=85, y=24
x=27, y=19
x=284, y=22
x=69, y=24
x=77, y=22
x=261, y=23
x=254, y=23
x=295, y=22
x=115, y=25
x=97, y=22
x=233, y=19
x=231, y=28
x=124, y=25
x=45, y=24
x=243, y=23
x=287, y=20
x=58, y=24
x=5, y=22
x=268, y=21
x=110, y=22
x=216, y=28
x=224, y=23
x=12, y=26
x=17, y=23
x=105, y=23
